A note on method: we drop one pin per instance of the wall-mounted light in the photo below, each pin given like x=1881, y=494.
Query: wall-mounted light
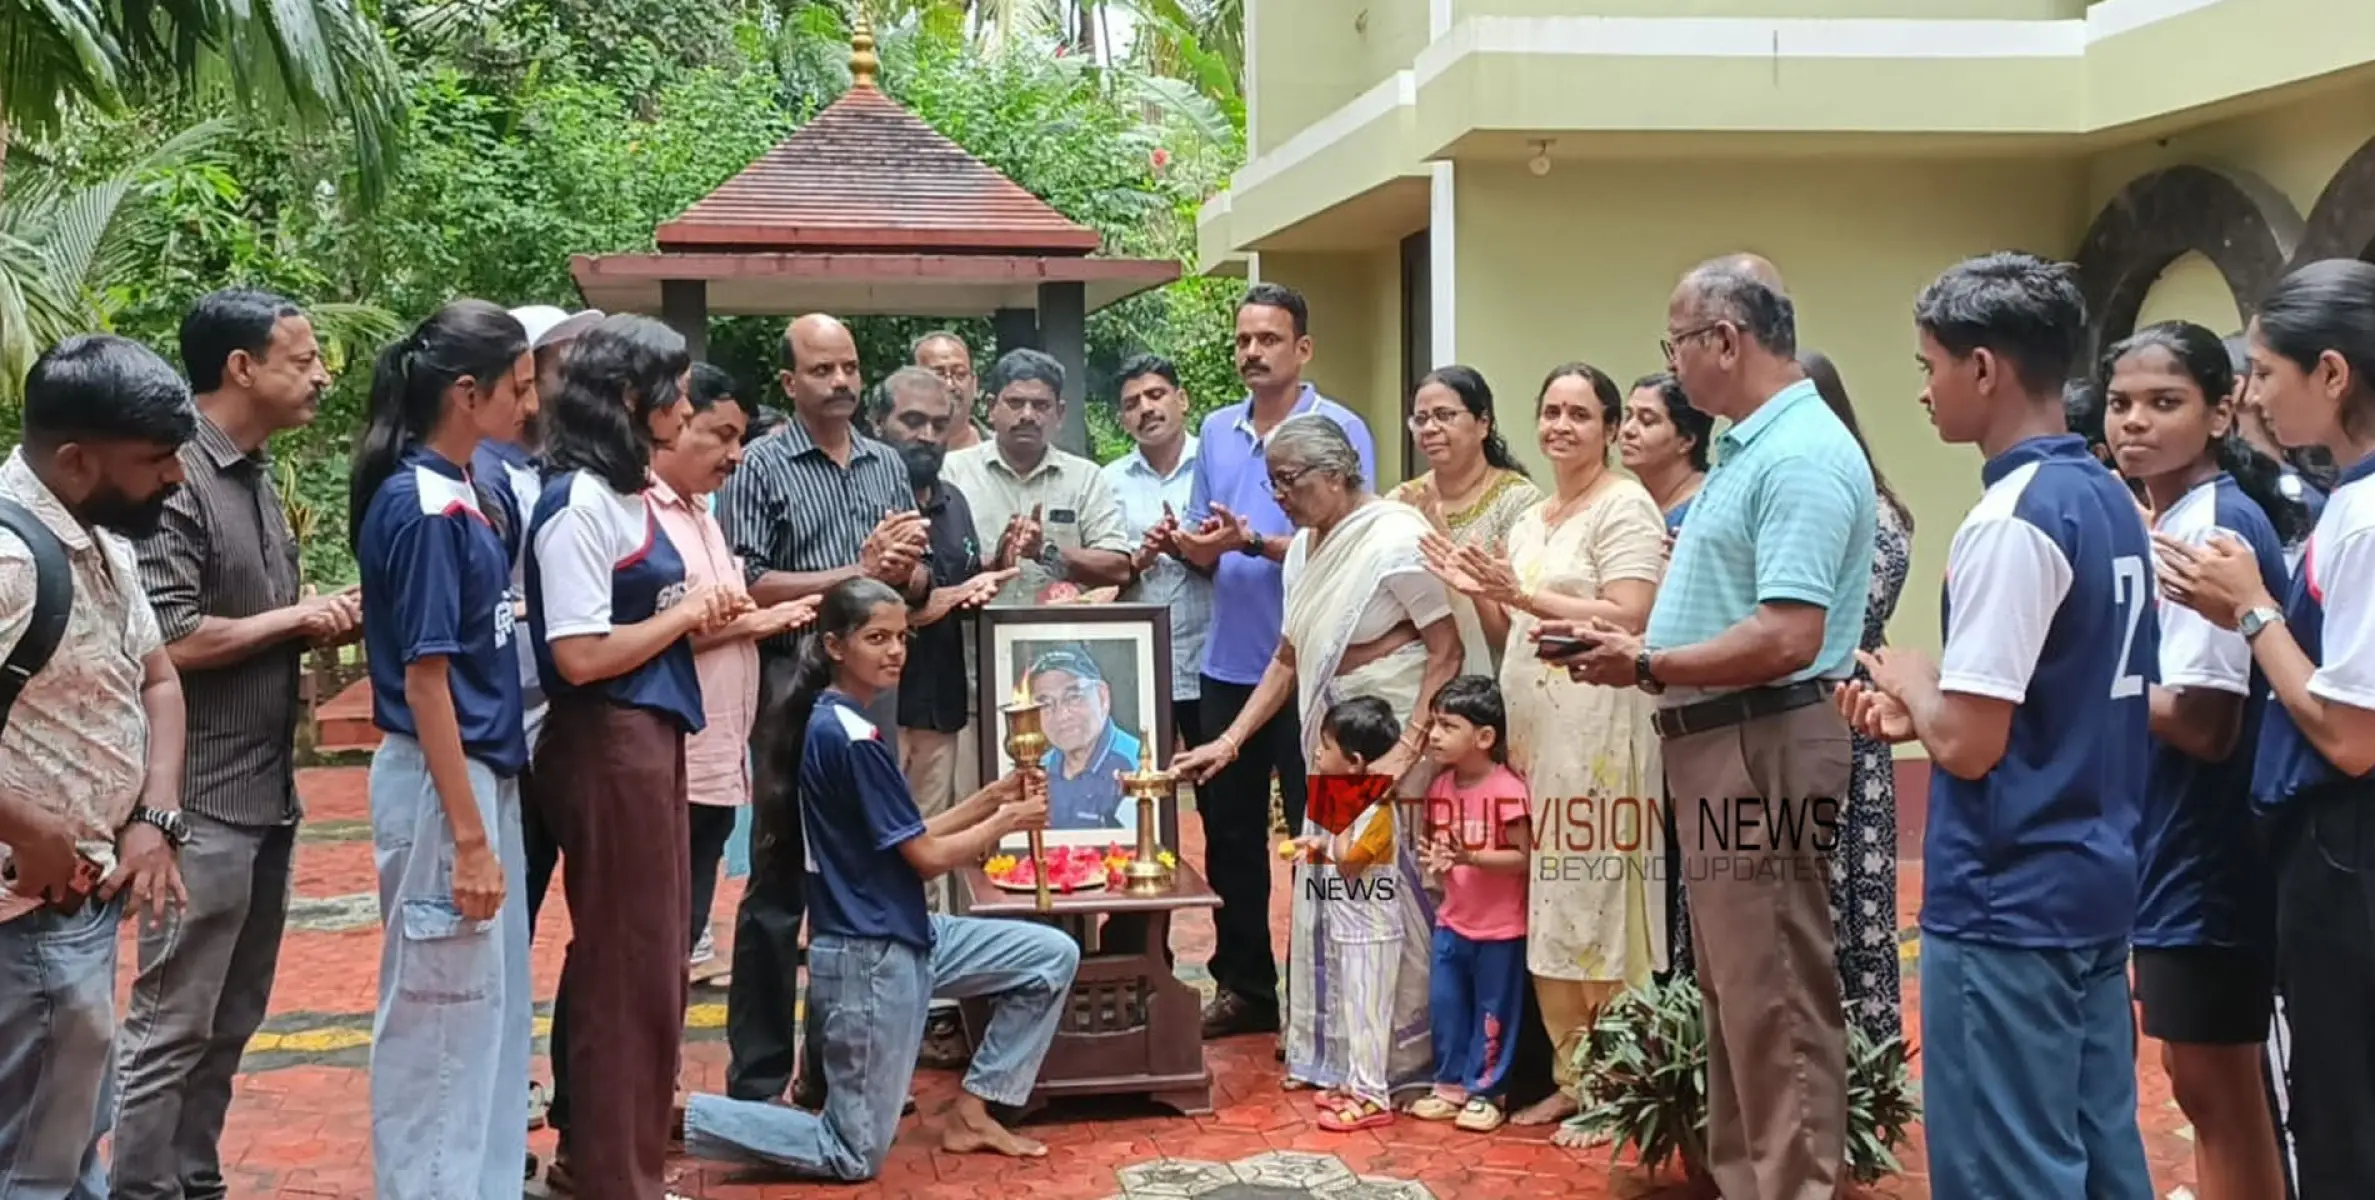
x=1540, y=163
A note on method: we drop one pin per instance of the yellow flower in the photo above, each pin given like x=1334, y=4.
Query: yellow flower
x=1167, y=858
x=1000, y=865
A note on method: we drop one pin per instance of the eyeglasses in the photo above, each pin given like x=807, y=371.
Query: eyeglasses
x=1076, y=696
x=1437, y=417
x=1669, y=342
x=1280, y=485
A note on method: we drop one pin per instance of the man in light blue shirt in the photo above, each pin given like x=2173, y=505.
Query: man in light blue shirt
x=1154, y=484
x=1235, y=532
x=1759, y=613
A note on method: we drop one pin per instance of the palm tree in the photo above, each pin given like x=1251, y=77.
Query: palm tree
x=318, y=61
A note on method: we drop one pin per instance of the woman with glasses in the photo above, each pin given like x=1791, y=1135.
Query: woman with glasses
x=1363, y=618
x=1472, y=492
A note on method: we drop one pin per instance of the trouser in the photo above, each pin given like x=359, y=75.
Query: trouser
x=450, y=1042
x=1763, y=943
x=613, y=785
x=2030, y=1082
x=543, y=852
x=929, y=759
x=871, y=995
x=57, y=1004
x=1476, y=995
x=1568, y=1008
x=205, y=983
x=710, y=826
x=1235, y=808
x=2323, y=849
x=763, y=999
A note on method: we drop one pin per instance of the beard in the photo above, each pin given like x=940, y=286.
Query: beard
x=113, y=510
x=923, y=462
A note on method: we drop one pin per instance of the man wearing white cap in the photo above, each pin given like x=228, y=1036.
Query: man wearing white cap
x=514, y=478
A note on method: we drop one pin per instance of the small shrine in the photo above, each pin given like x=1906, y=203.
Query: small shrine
x=868, y=211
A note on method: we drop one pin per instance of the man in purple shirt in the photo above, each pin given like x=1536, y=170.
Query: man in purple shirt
x=1234, y=532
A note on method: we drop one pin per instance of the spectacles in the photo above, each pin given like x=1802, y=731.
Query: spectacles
x=1669, y=342
x=1076, y=696
x=1280, y=485
x=1437, y=417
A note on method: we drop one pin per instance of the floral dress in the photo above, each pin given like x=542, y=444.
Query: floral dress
x=1864, y=865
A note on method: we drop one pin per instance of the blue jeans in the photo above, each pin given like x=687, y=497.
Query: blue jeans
x=57, y=1051
x=1477, y=997
x=450, y=1043
x=2030, y=1082
x=872, y=994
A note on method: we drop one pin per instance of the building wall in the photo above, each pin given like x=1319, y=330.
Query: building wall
x=1580, y=264
x=1933, y=10
x=1310, y=57
x=1356, y=335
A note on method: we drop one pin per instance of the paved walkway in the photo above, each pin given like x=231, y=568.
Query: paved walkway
x=300, y=1123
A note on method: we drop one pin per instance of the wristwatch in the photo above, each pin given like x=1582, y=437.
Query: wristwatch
x=1649, y=681
x=1253, y=544
x=172, y=824
x=2256, y=620
x=1051, y=556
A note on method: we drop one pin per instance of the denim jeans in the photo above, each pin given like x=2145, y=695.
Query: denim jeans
x=2030, y=1083
x=450, y=1043
x=57, y=1055
x=871, y=994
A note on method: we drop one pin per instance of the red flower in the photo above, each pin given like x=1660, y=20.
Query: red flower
x=1162, y=158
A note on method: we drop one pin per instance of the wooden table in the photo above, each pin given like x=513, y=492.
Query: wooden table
x=1130, y=1026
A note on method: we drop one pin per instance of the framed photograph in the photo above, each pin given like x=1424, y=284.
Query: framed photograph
x=1101, y=674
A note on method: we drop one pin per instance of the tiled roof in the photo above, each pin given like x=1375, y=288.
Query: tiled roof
x=868, y=176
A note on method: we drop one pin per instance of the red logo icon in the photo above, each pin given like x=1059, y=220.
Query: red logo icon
x=1335, y=800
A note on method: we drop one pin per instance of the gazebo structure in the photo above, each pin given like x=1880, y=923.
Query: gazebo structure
x=866, y=210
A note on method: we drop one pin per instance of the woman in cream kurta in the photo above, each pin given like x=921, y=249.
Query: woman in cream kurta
x=1595, y=548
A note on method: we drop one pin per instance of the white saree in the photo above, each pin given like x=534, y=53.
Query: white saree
x=1356, y=983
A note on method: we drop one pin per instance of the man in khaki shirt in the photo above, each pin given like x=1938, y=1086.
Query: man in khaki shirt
x=1049, y=513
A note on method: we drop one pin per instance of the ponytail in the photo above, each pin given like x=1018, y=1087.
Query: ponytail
x=2262, y=479
x=466, y=339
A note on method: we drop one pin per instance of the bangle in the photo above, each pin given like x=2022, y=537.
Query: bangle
x=1230, y=740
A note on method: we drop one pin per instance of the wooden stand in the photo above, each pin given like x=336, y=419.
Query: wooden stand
x=1130, y=1026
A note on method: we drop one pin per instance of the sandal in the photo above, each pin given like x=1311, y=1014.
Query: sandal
x=1432, y=1107
x=1355, y=1114
x=1480, y=1116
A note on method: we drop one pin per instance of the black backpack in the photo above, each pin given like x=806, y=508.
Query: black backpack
x=53, y=602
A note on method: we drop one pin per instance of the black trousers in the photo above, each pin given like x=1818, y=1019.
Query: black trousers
x=544, y=855
x=2323, y=849
x=762, y=1001
x=1235, y=808
x=713, y=827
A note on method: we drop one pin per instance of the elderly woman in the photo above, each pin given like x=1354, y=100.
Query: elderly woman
x=1473, y=491
x=1363, y=618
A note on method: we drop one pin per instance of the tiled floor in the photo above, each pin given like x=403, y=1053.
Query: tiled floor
x=300, y=1123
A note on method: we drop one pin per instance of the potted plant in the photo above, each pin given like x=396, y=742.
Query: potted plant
x=1644, y=1072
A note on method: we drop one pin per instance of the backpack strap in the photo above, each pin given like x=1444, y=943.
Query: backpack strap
x=53, y=602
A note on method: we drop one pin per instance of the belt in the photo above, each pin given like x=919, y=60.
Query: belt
x=1738, y=708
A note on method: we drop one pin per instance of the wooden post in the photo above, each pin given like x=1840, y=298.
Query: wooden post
x=1064, y=334
x=684, y=305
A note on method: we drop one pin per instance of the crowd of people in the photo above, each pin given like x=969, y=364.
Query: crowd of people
x=610, y=595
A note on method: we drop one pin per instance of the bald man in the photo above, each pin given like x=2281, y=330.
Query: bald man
x=1757, y=267
x=812, y=506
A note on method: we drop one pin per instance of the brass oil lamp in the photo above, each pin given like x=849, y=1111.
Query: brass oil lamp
x=1026, y=742
x=1146, y=875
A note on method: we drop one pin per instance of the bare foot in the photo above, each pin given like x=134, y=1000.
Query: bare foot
x=1549, y=1110
x=972, y=1130
x=1570, y=1138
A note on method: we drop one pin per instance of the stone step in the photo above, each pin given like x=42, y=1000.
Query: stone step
x=343, y=726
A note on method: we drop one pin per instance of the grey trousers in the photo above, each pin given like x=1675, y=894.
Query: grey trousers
x=205, y=981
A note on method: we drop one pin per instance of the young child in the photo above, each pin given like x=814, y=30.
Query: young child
x=1479, y=842
x=1364, y=888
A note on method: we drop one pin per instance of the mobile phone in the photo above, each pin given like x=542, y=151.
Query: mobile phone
x=1560, y=647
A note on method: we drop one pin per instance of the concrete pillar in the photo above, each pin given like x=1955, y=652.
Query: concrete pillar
x=684, y=305
x=1064, y=334
x=1015, y=329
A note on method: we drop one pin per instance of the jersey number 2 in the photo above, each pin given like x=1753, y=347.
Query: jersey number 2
x=2131, y=591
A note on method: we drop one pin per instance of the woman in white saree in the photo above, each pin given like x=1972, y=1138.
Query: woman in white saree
x=1364, y=617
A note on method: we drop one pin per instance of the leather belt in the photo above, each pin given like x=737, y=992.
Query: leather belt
x=1739, y=708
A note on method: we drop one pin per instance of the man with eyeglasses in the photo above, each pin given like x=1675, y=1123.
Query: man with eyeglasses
x=1086, y=750
x=1045, y=511
x=946, y=355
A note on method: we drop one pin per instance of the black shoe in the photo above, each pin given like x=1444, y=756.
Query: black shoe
x=532, y=1164
x=945, y=1047
x=1230, y=1014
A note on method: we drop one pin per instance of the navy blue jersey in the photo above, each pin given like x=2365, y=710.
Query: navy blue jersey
x=598, y=560
x=2330, y=608
x=436, y=582
x=2204, y=880
x=2049, y=605
x=856, y=812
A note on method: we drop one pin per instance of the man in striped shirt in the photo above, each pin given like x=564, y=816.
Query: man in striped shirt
x=222, y=575
x=811, y=506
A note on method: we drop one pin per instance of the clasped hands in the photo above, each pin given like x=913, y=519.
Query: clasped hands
x=1020, y=798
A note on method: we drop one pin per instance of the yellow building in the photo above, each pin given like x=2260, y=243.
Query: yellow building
x=1516, y=183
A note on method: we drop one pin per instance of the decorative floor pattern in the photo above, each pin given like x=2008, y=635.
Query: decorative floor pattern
x=300, y=1122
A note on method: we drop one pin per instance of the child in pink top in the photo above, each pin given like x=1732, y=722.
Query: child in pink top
x=1478, y=843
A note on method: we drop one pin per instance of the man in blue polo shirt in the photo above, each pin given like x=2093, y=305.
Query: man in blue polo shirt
x=2037, y=726
x=1235, y=532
